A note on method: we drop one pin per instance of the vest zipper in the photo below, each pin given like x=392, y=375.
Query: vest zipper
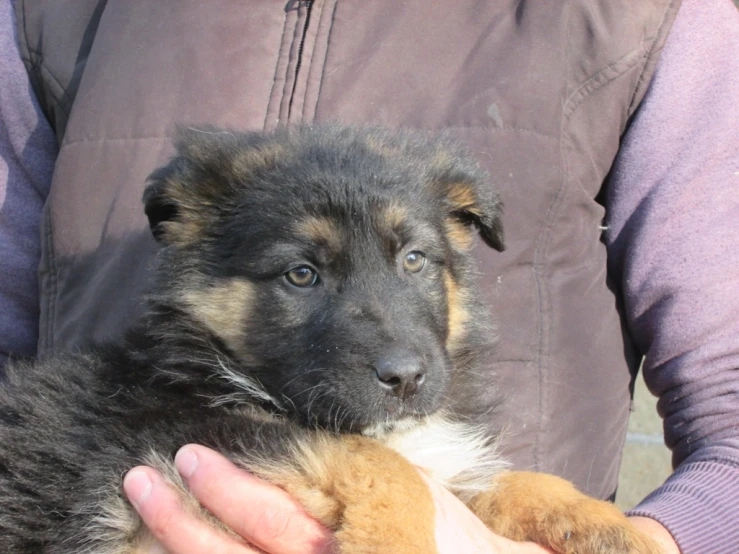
x=298, y=63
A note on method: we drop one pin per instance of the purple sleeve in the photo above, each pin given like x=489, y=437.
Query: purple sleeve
x=673, y=242
x=27, y=152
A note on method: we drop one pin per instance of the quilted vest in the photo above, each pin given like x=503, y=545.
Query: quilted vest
x=541, y=92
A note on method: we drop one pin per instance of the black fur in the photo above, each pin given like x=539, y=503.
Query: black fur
x=227, y=210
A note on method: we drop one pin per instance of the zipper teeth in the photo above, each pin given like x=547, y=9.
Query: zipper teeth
x=301, y=46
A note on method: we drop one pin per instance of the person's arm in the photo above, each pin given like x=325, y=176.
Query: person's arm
x=27, y=153
x=673, y=242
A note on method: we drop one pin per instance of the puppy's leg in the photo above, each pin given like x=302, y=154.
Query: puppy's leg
x=372, y=497
x=527, y=506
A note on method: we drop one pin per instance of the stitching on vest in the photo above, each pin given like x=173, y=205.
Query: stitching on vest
x=582, y=92
x=57, y=96
x=25, y=32
x=285, y=88
x=50, y=311
x=312, y=68
x=674, y=4
x=522, y=130
x=315, y=17
x=274, y=78
x=540, y=264
x=325, y=58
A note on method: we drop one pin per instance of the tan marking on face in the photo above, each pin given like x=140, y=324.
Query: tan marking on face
x=457, y=315
x=321, y=230
x=462, y=197
x=262, y=157
x=224, y=309
x=460, y=235
x=442, y=159
x=394, y=215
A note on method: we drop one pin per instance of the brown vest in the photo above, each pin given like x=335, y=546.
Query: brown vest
x=540, y=91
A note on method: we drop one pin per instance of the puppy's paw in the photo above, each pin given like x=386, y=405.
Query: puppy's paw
x=526, y=506
x=590, y=526
x=373, y=499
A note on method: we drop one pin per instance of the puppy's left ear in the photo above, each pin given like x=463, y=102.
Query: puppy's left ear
x=475, y=202
x=471, y=200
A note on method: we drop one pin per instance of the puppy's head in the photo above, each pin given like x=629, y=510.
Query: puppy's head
x=331, y=263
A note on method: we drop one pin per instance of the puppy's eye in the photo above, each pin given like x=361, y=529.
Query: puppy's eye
x=302, y=276
x=414, y=261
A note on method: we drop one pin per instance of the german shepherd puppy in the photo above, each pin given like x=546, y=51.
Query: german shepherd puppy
x=314, y=317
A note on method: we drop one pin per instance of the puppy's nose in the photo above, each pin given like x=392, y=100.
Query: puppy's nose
x=400, y=372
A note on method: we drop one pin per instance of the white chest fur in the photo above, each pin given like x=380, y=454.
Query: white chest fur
x=461, y=456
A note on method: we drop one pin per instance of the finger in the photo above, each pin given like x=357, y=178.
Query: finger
x=263, y=514
x=178, y=531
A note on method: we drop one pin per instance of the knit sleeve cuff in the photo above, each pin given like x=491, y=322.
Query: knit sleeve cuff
x=698, y=506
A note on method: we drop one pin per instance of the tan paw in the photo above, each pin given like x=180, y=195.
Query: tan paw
x=541, y=508
x=592, y=527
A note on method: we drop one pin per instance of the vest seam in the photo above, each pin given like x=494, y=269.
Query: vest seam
x=48, y=245
x=538, y=267
x=310, y=15
x=572, y=103
x=650, y=52
x=25, y=35
x=44, y=70
x=285, y=87
x=312, y=53
x=522, y=130
x=53, y=284
x=582, y=93
x=325, y=59
x=274, y=76
x=41, y=70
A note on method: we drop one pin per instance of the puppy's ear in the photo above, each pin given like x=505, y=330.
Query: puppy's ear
x=471, y=200
x=476, y=203
x=202, y=183
x=165, y=203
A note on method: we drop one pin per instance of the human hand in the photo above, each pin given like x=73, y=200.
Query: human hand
x=658, y=532
x=264, y=515
x=268, y=518
x=459, y=530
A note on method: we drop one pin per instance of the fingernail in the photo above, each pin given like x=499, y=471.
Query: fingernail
x=137, y=486
x=186, y=461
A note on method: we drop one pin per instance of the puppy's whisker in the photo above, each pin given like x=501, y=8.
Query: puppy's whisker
x=315, y=394
x=288, y=399
x=294, y=396
x=302, y=374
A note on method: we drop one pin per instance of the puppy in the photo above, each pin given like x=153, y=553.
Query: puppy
x=314, y=317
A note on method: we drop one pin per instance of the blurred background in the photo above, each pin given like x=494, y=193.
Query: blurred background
x=646, y=463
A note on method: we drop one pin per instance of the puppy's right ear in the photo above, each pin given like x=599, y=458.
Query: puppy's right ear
x=168, y=221
x=189, y=193
x=205, y=180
